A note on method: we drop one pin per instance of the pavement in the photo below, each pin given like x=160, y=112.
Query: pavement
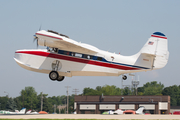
x=90, y=116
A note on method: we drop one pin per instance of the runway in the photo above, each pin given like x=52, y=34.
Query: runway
x=90, y=116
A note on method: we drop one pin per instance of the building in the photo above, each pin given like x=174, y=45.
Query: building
x=99, y=104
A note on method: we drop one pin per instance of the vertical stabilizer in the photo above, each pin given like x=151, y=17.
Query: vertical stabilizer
x=140, y=110
x=23, y=110
x=154, y=54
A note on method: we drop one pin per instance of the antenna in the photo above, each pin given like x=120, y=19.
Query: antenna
x=75, y=91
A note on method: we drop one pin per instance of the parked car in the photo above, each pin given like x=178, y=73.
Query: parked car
x=176, y=113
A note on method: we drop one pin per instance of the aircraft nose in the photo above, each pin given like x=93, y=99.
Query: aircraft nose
x=17, y=56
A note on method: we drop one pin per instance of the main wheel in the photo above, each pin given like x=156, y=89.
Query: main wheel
x=124, y=77
x=60, y=78
x=53, y=75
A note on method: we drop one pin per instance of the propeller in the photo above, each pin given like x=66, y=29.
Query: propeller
x=36, y=39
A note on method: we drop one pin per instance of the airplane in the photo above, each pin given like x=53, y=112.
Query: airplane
x=120, y=112
x=7, y=112
x=110, y=112
x=3, y=111
x=30, y=112
x=139, y=111
x=22, y=111
x=65, y=57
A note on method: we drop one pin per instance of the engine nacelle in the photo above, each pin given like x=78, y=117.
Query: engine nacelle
x=48, y=43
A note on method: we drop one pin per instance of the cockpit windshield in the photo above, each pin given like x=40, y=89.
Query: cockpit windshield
x=52, y=49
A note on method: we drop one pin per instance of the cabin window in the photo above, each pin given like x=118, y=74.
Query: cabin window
x=99, y=58
x=66, y=53
x=90, y=57
x=87, y=56
x=78, y=55
x=60, y=52
x=73, y=54
x=55, y=50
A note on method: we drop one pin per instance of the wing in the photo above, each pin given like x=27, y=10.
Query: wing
x=55, y=40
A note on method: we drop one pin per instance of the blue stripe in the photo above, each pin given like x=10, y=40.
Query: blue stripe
x=103, y=59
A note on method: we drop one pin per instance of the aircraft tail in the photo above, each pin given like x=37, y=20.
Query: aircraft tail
x=140, y=110
x=23, y=110
x=154, y=54
x=29, y=111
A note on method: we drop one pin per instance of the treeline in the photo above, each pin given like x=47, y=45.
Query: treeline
x=150, y=88
x=31, y=100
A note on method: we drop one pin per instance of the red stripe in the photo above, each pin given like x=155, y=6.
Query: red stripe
x=49, y=36
x=80, y=60
x=39, y=53
x=158, y=36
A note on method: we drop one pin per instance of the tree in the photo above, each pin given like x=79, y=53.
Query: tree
x=98, y=88
x=110, y=90
x=151, y=88
x=174, y=93
x=127, y=91
x=11, y=105
x=105, y=90
x=140, y=90
x=90, y=91
x=28, y=98
x=18, y=102
x=71, y=104
x=55, y=100
x=3, y=101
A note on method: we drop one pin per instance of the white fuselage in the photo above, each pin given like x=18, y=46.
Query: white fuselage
x=66, y=57
x=76, y=64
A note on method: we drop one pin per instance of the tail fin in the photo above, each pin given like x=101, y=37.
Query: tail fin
x=154, y=54
x=140, y=110
x=23, y=110
x=29, y=111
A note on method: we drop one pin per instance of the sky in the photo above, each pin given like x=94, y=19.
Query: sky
x=117, y=26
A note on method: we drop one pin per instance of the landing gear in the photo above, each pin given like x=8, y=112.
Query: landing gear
x=60, y=78
x=53, y=75
x=124, y=77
